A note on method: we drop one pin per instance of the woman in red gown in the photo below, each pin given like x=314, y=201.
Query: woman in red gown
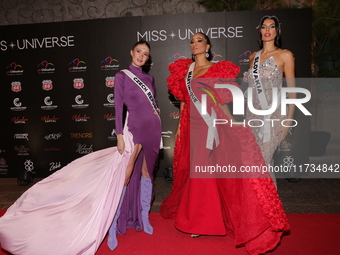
x=247, y=209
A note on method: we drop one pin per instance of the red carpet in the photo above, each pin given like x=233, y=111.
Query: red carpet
x=311, y=234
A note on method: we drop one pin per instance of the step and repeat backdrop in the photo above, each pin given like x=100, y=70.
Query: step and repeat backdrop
x=57, y=80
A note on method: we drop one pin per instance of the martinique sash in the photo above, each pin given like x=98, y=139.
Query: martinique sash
x=265, y=128
x=209, y=120
x=147, y=93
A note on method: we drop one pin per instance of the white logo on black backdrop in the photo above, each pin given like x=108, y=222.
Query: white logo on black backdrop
x=54, y=166
x=111, y=101
x=22, y=150
x=167, y=133
x=23, y=136
x=112, y=136
x=53, y=136
x=29, y=166
x=17, y=105
x=80, y=103
x=48, y=104
x=186, y=34
x=82, y=149
x=39, y=43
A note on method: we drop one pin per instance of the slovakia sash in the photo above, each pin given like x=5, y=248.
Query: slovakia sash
x=265, y=129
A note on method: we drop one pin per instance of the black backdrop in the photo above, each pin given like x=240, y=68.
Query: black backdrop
x=56, y=79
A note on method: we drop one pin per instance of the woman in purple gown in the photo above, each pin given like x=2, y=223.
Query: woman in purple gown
x=145, y=126
x=71, y=211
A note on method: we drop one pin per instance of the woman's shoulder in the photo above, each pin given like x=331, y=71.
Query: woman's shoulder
x=285, y=54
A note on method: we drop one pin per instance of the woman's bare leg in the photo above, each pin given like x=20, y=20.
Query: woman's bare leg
x=129, y=169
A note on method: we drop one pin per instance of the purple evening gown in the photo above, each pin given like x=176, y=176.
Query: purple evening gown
x=145, y=127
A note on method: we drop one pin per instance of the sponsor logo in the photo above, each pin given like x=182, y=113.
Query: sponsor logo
x=21, y=150
x=78, y=83
x=174, y=115
x=244, y=58
x=48, y=104
x=3, y=166
x=176, y=56
x=80, y=103
x=48, y=119
x=19, y=120
x=111, y=101
x=2, y=162
x=23, y=136
x=54, y=166
x=109, y=63
x=14, y=69
x=167, y=148
x=53, y=136
x=83, y=149
x=51, y=149
x=17, y=105
x=216, y=57
x=109, y=117
x=45, y=67
x=187, y=33
x=47, y=85
x=79, y=118
x=81, y=135
x=110, y=81
x=112, y=136
x=167, y=133
x=29, y=166
x=77, y=65
x=16, y=86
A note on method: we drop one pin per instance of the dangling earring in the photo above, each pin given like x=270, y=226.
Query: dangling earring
x=206, y=53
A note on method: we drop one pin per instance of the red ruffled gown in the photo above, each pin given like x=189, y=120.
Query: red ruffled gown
x=247, y=209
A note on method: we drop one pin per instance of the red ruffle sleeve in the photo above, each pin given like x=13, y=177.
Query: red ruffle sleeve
x=178, y=71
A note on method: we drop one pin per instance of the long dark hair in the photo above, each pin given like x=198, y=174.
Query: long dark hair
x=208, y=42
x=277, y=40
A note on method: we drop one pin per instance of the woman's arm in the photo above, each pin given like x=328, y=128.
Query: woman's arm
x=119, y=103
x=178, y=131
x=289, y=71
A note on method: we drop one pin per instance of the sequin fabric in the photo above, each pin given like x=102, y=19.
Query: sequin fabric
x=271, y=76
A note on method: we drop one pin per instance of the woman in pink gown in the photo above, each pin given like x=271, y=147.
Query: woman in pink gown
x=71, y=211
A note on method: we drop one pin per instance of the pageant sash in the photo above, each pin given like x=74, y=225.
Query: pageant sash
x=147, y=92
x=264, y=132
x=209, y=120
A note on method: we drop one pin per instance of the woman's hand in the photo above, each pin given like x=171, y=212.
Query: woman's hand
x=158, y=112
x=283, y=132
x=120, y=143
x=177, y=133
